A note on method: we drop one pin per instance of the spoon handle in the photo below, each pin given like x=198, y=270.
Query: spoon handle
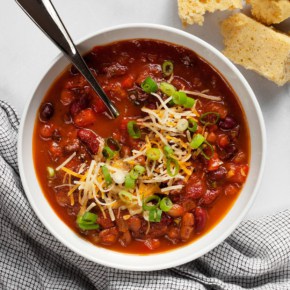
x=44, y=15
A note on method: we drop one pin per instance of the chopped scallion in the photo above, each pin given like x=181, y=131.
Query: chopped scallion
x=155, y=215
x=126, y=196
x=196, y=141
x=167, y=68
x=167, y=89
x=182, y=125
x=205, y=146
x=108, y=152
x=180, y=98
x=149, y=85
x=148, y=200
x=107, y=175
x=50, y=172
x=133, y=130
x=153, y=153
x=209, y=118
x=166, y=204
x=170, y=162
x=192, y=125
x=129, y=182
x=168, y=151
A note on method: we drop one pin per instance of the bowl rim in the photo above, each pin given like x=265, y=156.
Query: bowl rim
x=208, y=247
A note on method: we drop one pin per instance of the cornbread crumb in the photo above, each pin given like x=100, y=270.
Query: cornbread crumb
x=257, y=47
x=192, y=11
x=270, y=11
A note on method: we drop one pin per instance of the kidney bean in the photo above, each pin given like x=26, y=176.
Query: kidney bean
x=195, y=186
x=189, y=205
x=157, y=230
x=62, y=198
x=210, y=196
x=230, y=151
x=200, y=215
x=125, y=239
x=46, y=112
x=218, y=174
x=56, y=136
x=176, y=210
x=227, y=123
x=80, y=104
x=231, y=189
x=109, y=237
x=90, y=139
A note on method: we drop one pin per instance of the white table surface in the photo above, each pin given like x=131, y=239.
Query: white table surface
x=25, y=54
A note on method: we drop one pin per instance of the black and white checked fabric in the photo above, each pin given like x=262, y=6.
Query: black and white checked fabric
x=255, y=256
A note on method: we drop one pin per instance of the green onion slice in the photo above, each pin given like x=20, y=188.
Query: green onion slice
x=126, y=196
x=166, y=204
x=168, y=151
x=182, y=125
x=87, y=221
x=155, y=215
x=153, y=153
x=107, y=175
x=189, y=103
x=113, y=144
x=167, y=89
x=150, y=199
x=133, y=130
x=167, y=68
x=50, y=172
x=169, y=163
x=180, y=98
x=207, y=145
x=196, y=141
x=192, y=125
x=204, y=118
x=108, y=152
x=149, y=85
x=129, y=182
x=137, y=171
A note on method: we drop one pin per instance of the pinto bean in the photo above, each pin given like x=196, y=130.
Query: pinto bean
x=90, y=139
x=176, y=210
x=173, y=232
x=109, y=237
x=185, y=232
x=46, y=112
x=227, y=123
x=187, y=219
x=85, y=118
x=46, y=131
x=125, y=239
x=134, y=223
x=200, y=215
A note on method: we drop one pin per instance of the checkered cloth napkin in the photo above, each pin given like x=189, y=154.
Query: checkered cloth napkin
x=255, y=256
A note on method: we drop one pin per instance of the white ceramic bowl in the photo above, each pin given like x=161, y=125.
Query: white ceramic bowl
x=183, y=254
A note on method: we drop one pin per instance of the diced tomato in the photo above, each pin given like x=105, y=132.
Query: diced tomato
x=223, y=140
x=214, y=163
x=195, y=186
x=240, y=157
x=85, y=118
x=128, y=82
x=55, y=150
x=152, y=244
x=216, y=107
x=66, y=97
x=98, y=105
x=211, y=137
x=237, y=173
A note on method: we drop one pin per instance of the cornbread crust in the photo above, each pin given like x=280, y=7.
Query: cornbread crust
x=270, y=11
x=192, y=11
x=257, y=47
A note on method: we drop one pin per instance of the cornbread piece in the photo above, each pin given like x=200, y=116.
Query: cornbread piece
x=270, y=11
x=257, y=47
x=192, y=11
